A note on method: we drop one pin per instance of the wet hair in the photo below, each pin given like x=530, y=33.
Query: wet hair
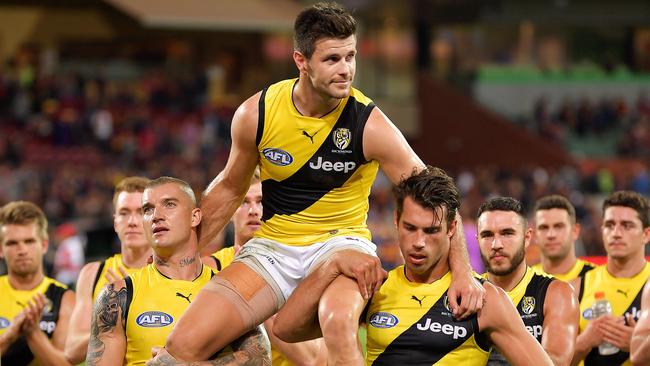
x=633, y=200
x=183, y=185
x=24, y=213
x=322, y=20
x=129, y=185
x=556, y=201
x=430, y=188
x=503, y=204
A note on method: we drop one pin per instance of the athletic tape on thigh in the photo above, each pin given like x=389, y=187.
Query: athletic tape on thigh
x=251, y=304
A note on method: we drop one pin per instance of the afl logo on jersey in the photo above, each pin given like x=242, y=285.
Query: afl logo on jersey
x=383, y=320
x=342, y=137
x=528, y=304
x=4, y=323
x=277, y=156
x=154, y=319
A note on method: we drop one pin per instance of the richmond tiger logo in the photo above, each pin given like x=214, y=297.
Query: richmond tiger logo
x=342, y=137
x=528, y=305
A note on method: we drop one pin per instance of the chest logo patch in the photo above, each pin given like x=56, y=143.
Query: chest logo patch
x=528, y=304
x=154, y=319
x=342, y=137
x=383, y=320
x=277, y=156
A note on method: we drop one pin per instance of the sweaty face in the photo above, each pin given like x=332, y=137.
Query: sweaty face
x=127, y=220
x=423, y=239
x=247, y=218
x=502, y=241
x=169, y=215
x=623, y=232
x=332, y=65
x=554, y=233
x=22, y=248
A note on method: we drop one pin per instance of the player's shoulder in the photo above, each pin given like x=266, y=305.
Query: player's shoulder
x=558, y=288
x=248, y=110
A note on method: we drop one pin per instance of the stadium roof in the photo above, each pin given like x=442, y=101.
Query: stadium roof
x=241, y=15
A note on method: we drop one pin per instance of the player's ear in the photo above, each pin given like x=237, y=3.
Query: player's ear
x=300, y=60
x=196, y=217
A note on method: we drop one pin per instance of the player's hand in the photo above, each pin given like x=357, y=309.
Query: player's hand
x=364, y=268
x=13, y=331
x=160, y=357
x=471, y=294
x=593, y=335
x=33, y=313
x=616, y=332
x=112, y=277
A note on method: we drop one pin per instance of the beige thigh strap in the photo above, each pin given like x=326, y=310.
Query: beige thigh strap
x=254, y=300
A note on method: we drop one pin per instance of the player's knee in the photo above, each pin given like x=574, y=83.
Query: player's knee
x=282, y=332
x=338, y=322
x=178, y=345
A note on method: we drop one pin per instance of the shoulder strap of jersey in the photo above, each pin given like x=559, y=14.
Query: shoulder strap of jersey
x=129, y=298
x=582, y=287
x=361, y=124
x=260, y=117
x=586, y=267
x=98, y=275
x=55, y=293
x=217, y=261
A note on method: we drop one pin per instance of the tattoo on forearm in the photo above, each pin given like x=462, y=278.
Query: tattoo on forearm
x=187, y=261
x=110, y=305
x=252, y=349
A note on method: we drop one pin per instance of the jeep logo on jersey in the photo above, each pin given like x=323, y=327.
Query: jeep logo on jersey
x=383, y=320
x=328, y=166
x=4, y=322
x=277, y=156
x=154, y=319
x=528, y=304
x=535, y=330
x=342, y=137
x=453, y=330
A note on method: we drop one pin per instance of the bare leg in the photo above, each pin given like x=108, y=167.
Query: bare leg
x=220, y=314
x=339, y=311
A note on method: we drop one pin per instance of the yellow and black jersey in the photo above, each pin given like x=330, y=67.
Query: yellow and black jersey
x=223, y=257
x=625, y=296
x=13, y=301
x=528, y=296
x=411, y=324
x=315, y=177
x=113, y=263
x=155, y=302
x=580, y=267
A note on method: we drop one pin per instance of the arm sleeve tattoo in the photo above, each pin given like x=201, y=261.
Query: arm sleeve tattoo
x=110, y=305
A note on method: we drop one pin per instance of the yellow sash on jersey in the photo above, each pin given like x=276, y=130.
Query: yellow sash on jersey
x=113, y=263
x=157, y=302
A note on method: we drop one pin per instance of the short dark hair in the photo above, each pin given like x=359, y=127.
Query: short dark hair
x=430, y=188
x=633, y=200
x=183, y=185
x=322, y=20
x=130, y=185
x=503, y=204
x=24, y=213
x=556, y=201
